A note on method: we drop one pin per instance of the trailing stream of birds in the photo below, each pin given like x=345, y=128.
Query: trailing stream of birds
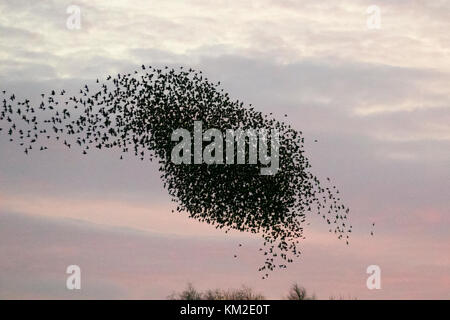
x=137, y=113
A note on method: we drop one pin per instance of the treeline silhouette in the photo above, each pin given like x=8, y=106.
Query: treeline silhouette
x=296, y=292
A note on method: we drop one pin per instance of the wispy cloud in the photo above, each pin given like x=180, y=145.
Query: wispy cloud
x=376, y=100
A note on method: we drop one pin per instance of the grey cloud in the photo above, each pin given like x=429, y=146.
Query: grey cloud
x=26, y=71
x=388, y=164
x=319, y=97
x=17, y=34
x=343, y=84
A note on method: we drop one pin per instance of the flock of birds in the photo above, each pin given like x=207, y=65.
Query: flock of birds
x=137, y=113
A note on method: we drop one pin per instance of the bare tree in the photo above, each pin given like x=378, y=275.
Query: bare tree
x=299, y=293
x=190, y=293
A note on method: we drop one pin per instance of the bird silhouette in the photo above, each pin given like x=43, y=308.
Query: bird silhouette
x=137, y=112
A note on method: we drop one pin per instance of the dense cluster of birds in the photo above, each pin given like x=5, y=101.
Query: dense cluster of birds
x=137, y=113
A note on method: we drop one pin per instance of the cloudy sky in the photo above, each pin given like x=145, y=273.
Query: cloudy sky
x=377, y=101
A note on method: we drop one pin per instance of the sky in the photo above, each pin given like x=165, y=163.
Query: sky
x=376, y=100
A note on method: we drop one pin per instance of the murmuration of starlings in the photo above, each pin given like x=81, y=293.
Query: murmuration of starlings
x=138, y=112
